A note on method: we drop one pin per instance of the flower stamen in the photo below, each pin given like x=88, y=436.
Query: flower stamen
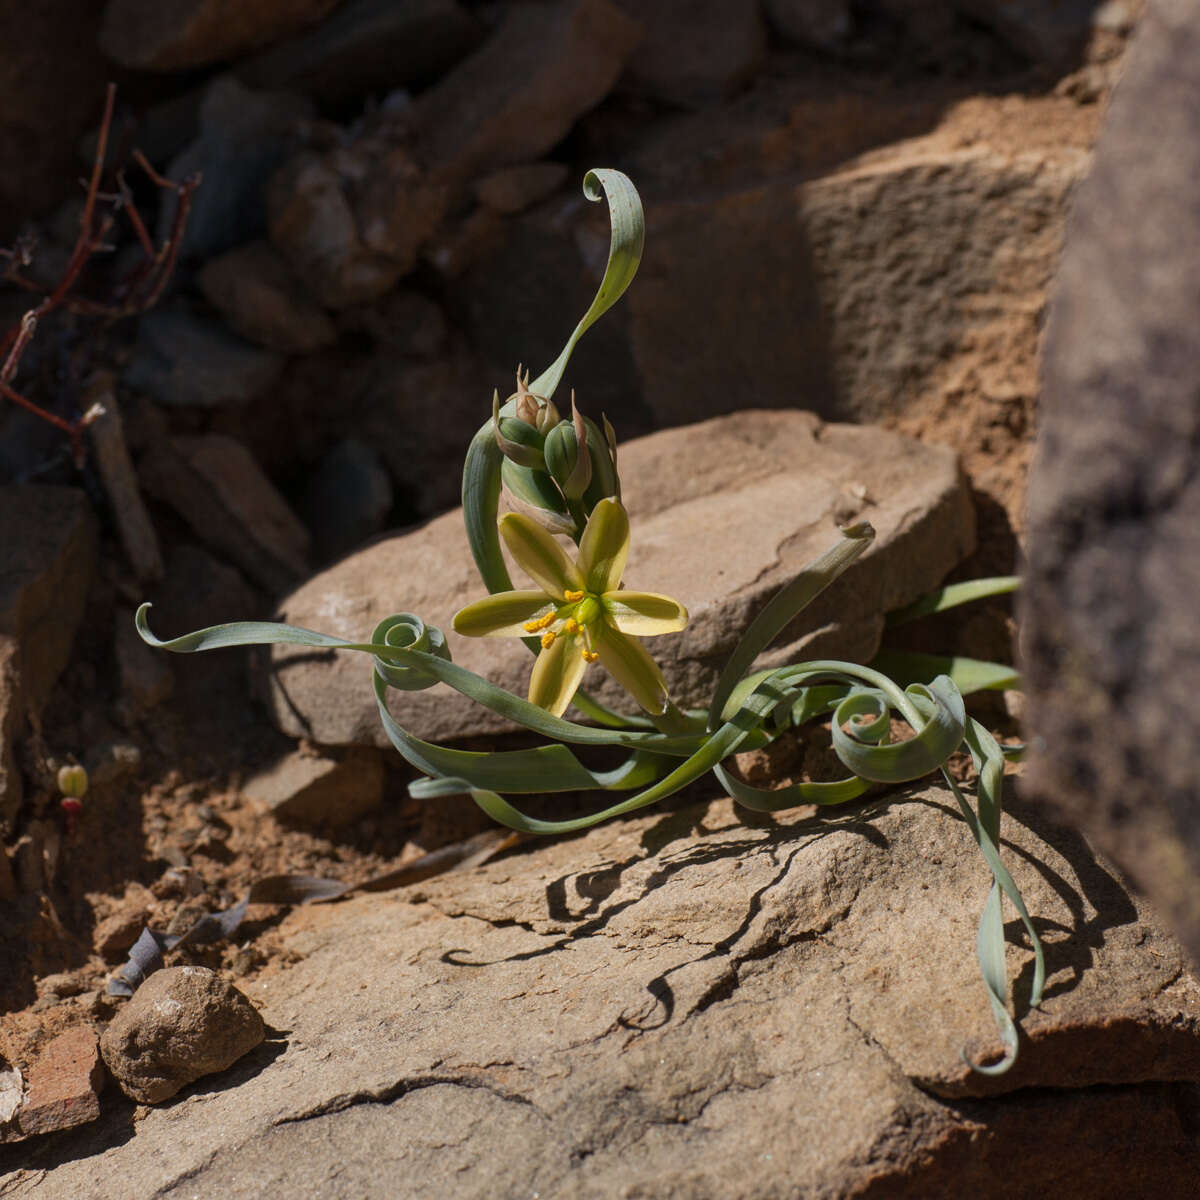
x=571, y=626
x=572, y=596
x=548, y=639
x=590, y=656
x=536, y=626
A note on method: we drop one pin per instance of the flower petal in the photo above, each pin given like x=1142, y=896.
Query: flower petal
x=556, y=675
x=539, y=555
x=501, y=615
x=604, y=547
x=629, y=664
x=644, y=613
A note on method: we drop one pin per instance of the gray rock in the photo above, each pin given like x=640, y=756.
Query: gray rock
x=520, y=93
x=403, y=321
x=724, y=513
x=823, y=24
x=415, y=416
x=255, y=291
x=348, y=498
x=185, y=361
x=529, y=291
x=1112, y=655
x=214, y=483
x=146, y=677
x=49, y=537
x=310, y=789
x=694, y=52
x=683, y=1005
x=367, y=47
x=181, y=1024
x=170, y=35
x=351, y=222
x=1053, y=33
x=136, y=530
x=12, y=1092
x=244, y=136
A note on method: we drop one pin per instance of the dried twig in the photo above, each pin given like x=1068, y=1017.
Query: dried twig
x=140, y=290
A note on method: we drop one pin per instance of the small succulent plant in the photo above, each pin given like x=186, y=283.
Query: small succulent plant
x=561, y=474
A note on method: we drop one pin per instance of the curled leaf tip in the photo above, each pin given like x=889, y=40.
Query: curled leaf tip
x=859, y=530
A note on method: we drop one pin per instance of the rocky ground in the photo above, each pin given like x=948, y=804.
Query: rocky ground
x=852, y=209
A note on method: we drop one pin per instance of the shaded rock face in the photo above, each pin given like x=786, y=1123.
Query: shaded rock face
x=166, y=35
x=761, y=497
x=1113, y=650
x=49, y=539
x=685, y=1005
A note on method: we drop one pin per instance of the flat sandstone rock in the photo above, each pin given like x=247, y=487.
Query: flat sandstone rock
x=724, y=514
x=685, y=1005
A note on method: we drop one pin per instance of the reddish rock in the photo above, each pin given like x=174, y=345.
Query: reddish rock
x=116, y=933
x=312, y=789
x=171, y=35
x=64, y=1084
x=181, y=1024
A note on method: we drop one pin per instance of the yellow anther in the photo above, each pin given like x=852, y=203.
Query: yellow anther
x=540, y=623
x=548, y=639
x=572, y=625
x=572, y=596
x=590, y=656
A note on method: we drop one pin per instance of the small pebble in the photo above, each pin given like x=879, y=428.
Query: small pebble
x=181, y=1024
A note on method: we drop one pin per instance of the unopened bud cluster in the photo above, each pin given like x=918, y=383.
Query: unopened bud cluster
x=560, y=468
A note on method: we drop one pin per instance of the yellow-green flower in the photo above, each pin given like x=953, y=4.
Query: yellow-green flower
x=578, y=611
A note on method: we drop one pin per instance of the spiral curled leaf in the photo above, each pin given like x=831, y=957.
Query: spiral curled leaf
x=857, y=742
x=406, y=631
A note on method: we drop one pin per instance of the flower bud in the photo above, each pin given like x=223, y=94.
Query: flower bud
x=567, y=457
x=517, y=439
x=72, y=781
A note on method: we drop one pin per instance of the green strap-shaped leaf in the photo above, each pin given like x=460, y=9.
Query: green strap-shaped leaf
x=257, y=633
x=954, y=594
x=551, y=768
x=482, y=470
x=969, y=674
x=783, y=606
x=715, y=747
x=628, y=225
x=777, y=799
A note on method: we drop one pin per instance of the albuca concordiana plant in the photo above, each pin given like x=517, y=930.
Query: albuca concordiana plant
x=562, y=475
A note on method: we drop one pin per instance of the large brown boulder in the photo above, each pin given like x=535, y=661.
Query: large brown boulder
x=684, y=1005
x=724, y=514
